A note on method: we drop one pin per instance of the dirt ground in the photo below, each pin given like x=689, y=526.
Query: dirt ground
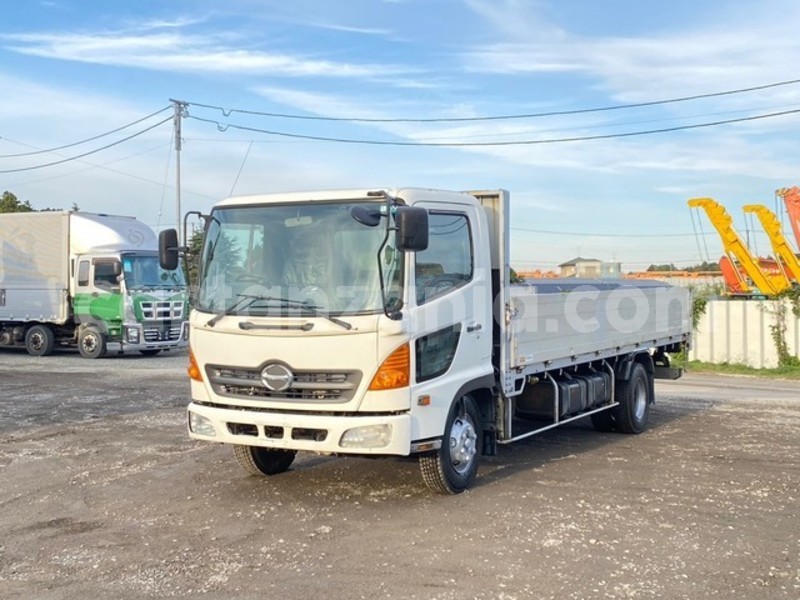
x=103, y=495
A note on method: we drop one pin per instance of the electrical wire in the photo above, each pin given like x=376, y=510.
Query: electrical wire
x=610, y=235
x=224, y=127
x=227, y=112
x=91, y=139
x=95, y=151
x=91, y=166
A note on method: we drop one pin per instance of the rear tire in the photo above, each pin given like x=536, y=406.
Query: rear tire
x=40, y=340
x=452, y=468
x=634, y=400
x=263, y=461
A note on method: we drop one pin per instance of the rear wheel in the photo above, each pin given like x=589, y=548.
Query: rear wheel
x=452, y=468
x=91, y=343
x=634, y=399
x=263, y=461
x=40, y=340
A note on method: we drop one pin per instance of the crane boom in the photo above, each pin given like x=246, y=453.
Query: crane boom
x=733, y=245
x=780, y=246
x=791, y=197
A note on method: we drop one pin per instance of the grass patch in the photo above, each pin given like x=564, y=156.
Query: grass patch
x=696, y=366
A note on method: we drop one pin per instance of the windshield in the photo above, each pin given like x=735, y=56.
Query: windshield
x=143, y=271
x=315, y=255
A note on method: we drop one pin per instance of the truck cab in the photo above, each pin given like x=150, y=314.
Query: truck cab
x=126, y=301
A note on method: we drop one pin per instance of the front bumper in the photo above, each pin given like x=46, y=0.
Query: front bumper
x=136, y=337
x=297, y=431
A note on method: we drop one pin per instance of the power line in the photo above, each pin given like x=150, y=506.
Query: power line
x=610, y=235
x=95, y=151
x=227, y=112
x=224, y=127
x=91, y=139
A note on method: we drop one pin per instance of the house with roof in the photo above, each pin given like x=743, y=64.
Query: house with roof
x=590, y=268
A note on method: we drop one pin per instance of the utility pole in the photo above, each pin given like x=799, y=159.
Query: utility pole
x=180, y=112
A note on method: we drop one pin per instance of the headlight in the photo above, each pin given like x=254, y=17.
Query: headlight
x=132, y=335
x=200, y=425
x=368, y=436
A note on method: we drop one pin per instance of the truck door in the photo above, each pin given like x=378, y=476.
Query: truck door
x=451, y=287
x=98, y=297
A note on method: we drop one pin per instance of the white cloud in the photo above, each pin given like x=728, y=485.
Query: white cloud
x=724, y=55
x=184, y=53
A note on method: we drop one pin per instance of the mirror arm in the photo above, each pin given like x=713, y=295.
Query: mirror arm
x=394, y=315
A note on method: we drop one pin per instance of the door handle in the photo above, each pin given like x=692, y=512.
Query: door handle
x=474, y=327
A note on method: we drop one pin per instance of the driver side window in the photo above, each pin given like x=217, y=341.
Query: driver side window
x=447, y=262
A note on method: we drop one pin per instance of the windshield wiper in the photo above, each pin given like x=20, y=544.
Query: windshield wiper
x=312, y=308
x=246, y=300
x=315, y=310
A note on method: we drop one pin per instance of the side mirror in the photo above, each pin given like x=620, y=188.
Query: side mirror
x=117, y=268
x=168, y=249
x=412, y=228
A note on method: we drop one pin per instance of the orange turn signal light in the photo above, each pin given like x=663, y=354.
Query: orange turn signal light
x=193, y=370
x=394, y=371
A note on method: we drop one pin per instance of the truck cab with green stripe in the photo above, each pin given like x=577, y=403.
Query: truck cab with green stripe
x=87, y=280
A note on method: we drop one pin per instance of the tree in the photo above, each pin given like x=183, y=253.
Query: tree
x=193, y=256
x=9, y=203
x=664, y=267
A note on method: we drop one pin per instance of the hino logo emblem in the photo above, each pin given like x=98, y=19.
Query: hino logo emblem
x=276, y=377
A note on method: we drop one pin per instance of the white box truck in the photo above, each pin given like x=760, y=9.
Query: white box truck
x=87, y=280
x=383, y=323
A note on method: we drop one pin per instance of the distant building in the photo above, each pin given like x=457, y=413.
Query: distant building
x=590, y=268
x=611, y=270
x=581, y=268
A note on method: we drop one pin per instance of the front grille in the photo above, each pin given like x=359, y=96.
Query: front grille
x=162, y=331
x=305, y=386
x=162, y=310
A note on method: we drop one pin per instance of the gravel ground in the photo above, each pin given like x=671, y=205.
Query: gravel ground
x=103, y=495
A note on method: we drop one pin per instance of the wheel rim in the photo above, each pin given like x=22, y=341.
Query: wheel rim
x=89, y=343
x=37, y=341
x=463, y=444
x=639, y=399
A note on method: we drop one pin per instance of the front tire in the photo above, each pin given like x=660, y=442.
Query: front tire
x=40, y=340
x=263, y=461
x=91, y=343
x=634, y=400
x=452, y=468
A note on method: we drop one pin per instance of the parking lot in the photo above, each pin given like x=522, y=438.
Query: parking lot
x=104, y=496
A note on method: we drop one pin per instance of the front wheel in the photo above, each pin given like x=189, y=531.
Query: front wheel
x=452, y=468
x=91, y=343
x=40, y=340
x=263, y=461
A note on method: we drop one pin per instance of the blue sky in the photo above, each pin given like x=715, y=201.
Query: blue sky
x=73, y=69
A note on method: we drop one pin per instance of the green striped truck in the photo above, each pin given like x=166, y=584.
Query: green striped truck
x=91, y=281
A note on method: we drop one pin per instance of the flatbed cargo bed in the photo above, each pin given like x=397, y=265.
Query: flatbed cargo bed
x=559, y=323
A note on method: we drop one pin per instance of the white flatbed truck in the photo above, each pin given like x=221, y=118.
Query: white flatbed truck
x=383, y=323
